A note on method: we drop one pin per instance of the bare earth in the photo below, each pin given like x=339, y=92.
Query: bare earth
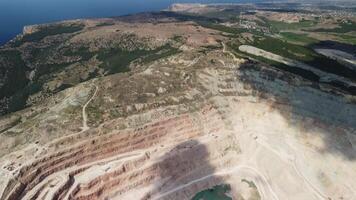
x=182, y=124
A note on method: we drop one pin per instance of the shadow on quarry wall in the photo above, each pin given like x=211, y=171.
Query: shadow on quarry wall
x=183, y=172
x=323, y=112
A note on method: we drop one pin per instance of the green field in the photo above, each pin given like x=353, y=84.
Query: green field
x=343, y=28
x=298, y=71
x=277, y=26
x=304, y=54
x=298, y=38
x=349, y=39
x=285, y=49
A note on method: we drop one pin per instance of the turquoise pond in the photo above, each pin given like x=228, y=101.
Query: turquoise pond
x=218, y=192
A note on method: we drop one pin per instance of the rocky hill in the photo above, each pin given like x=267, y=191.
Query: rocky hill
x=226, y=102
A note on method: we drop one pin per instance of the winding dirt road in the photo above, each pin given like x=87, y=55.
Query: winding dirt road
x=229, y=52
x=84, y=114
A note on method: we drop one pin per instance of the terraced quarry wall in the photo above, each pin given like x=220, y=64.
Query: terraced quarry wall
x=245, y=131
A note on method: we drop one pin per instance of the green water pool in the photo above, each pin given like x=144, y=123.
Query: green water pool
x=216, y=193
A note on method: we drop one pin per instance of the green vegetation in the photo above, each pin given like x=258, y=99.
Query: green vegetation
x=216, y=193
x=284, y=48
x=18, y=100
x=220, y=27
x=82, y=52
x=304, y=54
x=277, y=26
x=178, y=38
x=349, y=39
x=15, y=72
x=95, y=114
x=251, y=184
x=344, y=28
x=227, y=14
x=294, y=70
x=40, y=54
x=161, y=52
x=105, y=24
x=118, y=60
x=17, y=87
x=48, y=69
x=210, y=20
x=298, y=38
x=49, y=30
x=210, y=48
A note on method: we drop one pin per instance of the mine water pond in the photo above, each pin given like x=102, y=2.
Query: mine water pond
x=219, y=192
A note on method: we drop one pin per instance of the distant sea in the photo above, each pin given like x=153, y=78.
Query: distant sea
x=15, y=14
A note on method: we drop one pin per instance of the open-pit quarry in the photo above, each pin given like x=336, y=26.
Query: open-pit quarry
x=228, y=123
x=182, y=124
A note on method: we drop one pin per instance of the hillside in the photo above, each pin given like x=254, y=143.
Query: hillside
x=196, y=102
